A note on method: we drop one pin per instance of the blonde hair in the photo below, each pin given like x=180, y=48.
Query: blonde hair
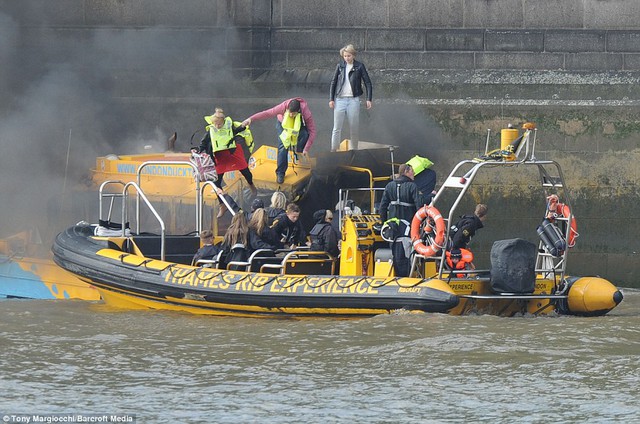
x=259, y=221
x=349, y=49
x=481, y=210
x=237, y=231
x=278, y=200
x=218, y=115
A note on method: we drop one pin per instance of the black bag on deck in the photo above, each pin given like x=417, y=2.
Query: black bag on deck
x=513, y=266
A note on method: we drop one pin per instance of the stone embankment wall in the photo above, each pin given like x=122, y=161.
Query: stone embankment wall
x=444, y=73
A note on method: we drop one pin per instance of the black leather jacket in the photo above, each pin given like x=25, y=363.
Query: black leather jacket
x=356, y=76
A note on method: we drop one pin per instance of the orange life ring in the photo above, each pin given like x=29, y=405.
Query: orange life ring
x=438, y=239
x=564, y=211
x=560, y=209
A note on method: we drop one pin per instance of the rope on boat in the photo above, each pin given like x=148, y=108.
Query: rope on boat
x=296, y=281
x=211, y=276
x=391, y=280
x=322, y=283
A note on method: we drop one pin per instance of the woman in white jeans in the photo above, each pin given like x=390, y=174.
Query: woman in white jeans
x=345, y=92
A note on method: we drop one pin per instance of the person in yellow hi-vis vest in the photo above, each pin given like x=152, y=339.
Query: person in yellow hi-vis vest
x=425, y=177
x=223, y=142
x=296, y=130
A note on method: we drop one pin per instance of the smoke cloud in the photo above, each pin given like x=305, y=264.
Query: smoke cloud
x=71, y=95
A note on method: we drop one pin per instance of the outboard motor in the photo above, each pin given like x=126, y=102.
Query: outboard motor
x=513, y=266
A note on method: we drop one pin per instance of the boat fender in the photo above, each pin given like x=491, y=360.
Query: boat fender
x=551, y=237
x=588, y=296
x=437, y=240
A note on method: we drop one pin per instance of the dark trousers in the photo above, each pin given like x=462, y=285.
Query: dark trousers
x=401, y=264
x=283, y=157
x=246, y=173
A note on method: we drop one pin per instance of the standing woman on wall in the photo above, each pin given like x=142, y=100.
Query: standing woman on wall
x=345, y=92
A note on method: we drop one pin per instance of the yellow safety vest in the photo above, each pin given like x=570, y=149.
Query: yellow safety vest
x=246, y=134
x=221, y=138
x=419, y=164
x=290, y=129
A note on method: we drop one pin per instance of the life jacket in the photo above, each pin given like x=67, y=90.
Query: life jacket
x=290, y=129
x=459, y=259
x=246, y=134
x=419, y=164
x=221, y=138
x=401, y=209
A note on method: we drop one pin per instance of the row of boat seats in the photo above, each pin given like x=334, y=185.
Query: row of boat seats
x=178, y=248
x=301, y=262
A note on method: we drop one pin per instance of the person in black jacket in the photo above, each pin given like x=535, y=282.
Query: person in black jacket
x=208, y=250
x=288, y=228
x=345, y=92
x=323, y=236
x=260, y=235
x=467, y=226
x=278, y=203
x=400, y=201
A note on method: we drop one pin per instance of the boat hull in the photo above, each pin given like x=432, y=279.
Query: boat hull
x=132, y=281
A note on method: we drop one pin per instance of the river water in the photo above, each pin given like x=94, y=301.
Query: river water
x=75, y=357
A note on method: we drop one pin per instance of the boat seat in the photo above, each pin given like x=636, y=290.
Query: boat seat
x=238, y=252
x=262, y=257
x=178, y=249
x=209, y=263
x=302, y=262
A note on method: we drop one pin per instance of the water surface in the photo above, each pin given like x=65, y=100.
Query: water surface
x=82, y=357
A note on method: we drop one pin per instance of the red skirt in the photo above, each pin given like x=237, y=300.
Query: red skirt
x=227, y=161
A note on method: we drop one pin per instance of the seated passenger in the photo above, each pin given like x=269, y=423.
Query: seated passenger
x=288, y=228
x=235, y=243
x=207, y=250
x=323, y=236
x=255, y=205
x=278, y=203
x=260, y=235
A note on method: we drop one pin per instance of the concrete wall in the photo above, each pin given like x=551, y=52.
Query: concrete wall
x=444, y=71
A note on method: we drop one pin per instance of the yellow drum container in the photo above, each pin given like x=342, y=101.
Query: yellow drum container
x=507, y=135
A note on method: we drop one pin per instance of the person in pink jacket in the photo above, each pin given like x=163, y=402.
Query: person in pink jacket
x=296, y=130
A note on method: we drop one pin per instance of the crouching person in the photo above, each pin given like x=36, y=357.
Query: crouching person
x=323, y=236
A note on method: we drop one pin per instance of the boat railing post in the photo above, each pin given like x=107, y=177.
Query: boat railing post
x=151, y=208
x=340, y=210
x=102, y=195
x=124, y=210
x=486, y=144
x=173, y=162
x=533, y=145
x=198, y=206
x=393, y=167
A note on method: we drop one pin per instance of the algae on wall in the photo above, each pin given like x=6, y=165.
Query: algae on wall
x=599, y=151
